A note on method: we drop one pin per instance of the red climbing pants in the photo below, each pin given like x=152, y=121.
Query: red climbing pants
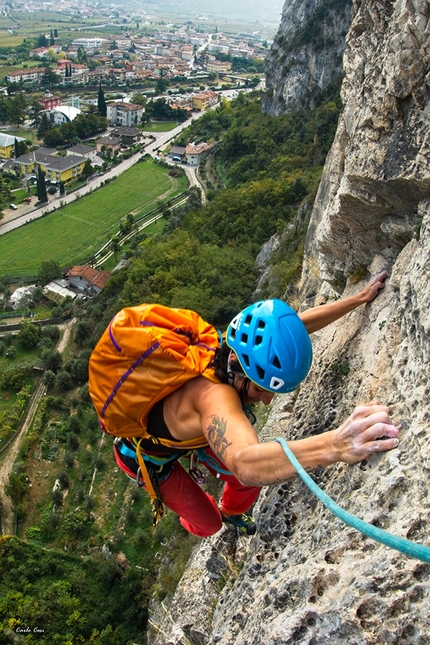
x=198, y=511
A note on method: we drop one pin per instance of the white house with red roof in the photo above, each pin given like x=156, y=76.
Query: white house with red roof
x=87, y=279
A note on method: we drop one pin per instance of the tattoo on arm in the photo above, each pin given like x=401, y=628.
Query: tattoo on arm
x=216, y=431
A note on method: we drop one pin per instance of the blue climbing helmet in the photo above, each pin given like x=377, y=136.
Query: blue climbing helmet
x=272, y=345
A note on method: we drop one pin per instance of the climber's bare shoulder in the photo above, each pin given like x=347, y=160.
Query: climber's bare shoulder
x=186, y=409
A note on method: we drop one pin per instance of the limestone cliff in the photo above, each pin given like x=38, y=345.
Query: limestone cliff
x=306, y=578
x=305, y=60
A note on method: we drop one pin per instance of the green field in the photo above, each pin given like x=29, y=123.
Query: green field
x=160, y=126
x=10, y=40
x=74, y=233
x=28, y=135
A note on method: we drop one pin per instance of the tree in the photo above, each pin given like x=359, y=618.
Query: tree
x=41, y=186
x=88, y=170
x=49, y=78
x=44, y=125
x=78, y=370
x=16, y=487
x=42, y=41
x=101, y=102
x=16, y=109
x=83, y=332
x=82, y=57
x=64, y=381
x=130, y=219
x=29, y=335
x=49, y=379
x=53, y=138
x=161, y=85
x=52, y=56
x=48, y=270
x=35, y=113
x=51, y=360
x=5, y=192
x=115, y=246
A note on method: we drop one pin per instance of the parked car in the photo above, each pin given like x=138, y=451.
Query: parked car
x=13, y=207
x=27, y=200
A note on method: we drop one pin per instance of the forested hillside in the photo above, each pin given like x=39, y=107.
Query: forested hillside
x=265, y=170
x=66, y=491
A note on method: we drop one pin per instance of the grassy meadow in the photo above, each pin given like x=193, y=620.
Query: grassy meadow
x=159, y=126
x=72, y=234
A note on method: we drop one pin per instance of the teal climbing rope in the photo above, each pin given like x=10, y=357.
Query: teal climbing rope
x=411, y=549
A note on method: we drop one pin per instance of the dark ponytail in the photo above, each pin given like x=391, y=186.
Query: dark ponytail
x=225, y=369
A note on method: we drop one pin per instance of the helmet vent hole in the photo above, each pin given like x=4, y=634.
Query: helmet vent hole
x=276, y=362
x=248, y=320
x=245, y=359
x=260, y=372
x=244, y=338
x=258, y=340
x=261, y=324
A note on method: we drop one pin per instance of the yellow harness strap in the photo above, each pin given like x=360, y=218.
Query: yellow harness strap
x=156, y=503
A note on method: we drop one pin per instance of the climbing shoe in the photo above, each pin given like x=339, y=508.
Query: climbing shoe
x=244, y=523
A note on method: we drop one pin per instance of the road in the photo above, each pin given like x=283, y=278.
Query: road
x=11, y=453
x=27, y=214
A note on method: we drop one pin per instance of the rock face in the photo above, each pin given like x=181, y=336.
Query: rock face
x=306, y=57
x=376, y=179
x=307, y=578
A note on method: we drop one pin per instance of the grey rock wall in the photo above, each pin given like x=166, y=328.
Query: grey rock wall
x=305, y=577
x=306, y=56
x=377, y=173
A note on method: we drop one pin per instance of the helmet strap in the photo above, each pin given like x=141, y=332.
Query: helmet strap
x=233, y=367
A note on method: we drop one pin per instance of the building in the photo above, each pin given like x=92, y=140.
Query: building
x=32, y=75
x=49, y=101
x=30, y=162
x=43, y=52
x=7, y=145
x=108, y=143
x=64, y=114
x=194, y=153
x=121, y=113
x=87, y=152
x=87, y=279
x=123, y=43
x=200, y=102
x=127, y=136
x=177, y=153
x=204, y=100
x=21, y=297
x=66, y=169
x=218, y=66
x=39, y=52
x=91, y=43
x=58, y=289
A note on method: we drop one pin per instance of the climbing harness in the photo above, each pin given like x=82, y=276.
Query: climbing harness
x=194, y=470
x=411, y=549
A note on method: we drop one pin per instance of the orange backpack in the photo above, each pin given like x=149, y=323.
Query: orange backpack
x=146, y=353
